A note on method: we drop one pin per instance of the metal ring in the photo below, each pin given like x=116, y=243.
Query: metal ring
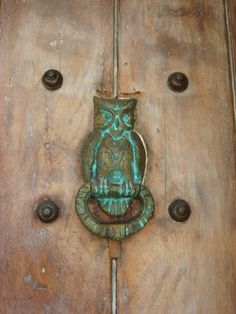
x=113, y=231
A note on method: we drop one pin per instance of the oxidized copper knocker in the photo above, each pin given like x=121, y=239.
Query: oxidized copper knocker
x=114, y=163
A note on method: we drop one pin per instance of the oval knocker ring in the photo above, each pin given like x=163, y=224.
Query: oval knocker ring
x=117, y=231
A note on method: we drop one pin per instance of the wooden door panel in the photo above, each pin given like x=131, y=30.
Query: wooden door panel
x=168, y=268
x=231, y=14
x=60, y=267
x=171, y=267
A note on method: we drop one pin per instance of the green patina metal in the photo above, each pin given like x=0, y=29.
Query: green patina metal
x=114, y=162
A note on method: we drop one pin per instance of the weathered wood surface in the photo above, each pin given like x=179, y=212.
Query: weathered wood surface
x=56, y=268
x=168, y=268
x=232, y=13
x=171, y=267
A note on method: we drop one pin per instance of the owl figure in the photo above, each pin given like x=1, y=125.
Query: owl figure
x=115, y=157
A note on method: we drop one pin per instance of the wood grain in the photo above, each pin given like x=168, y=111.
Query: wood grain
x=168, y=268
x=171, y=267
x=230, y=19
x=60, y=267
x=232, y=12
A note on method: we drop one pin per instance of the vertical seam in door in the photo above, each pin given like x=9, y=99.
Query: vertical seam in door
x=231, y=55
x=115, y=92
x=114, y=285
x=164, y=121
x=115, y=84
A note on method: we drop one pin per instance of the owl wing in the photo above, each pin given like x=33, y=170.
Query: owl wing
x=140, y=153
x=88, y=155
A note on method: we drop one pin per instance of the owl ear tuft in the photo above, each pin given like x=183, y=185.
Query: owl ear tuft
x=96, y=99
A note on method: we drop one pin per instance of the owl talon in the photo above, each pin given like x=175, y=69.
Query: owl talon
x=105, y=186
x=128, y=188
x=121, y=191
x=94, y=187
x=126, y=191
x=99, y=187
x=131, y=189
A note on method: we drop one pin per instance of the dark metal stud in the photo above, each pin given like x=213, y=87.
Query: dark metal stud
x=47, y=211
x=52, y=79
x=178, y=82
x=179, y=210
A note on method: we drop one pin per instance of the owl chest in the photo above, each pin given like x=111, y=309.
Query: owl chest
x=117, y=153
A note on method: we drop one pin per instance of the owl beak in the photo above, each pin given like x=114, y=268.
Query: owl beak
x=117, y=123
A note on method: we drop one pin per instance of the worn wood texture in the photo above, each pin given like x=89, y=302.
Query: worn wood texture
x=56, y=268
x=231, y=22
x=232, y=12
x=168, y=268
x=171, y=267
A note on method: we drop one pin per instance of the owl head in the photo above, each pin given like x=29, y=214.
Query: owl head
x=114, y=116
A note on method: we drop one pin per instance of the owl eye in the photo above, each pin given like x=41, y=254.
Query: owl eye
x=107, y=116
x=127, y=118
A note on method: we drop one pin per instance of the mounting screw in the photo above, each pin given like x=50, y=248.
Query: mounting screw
x=52, y=79
x=178, y=82
x=47, y=211
x=179, y=210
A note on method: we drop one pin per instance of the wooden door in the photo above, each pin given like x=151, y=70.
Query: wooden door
x=169, y=267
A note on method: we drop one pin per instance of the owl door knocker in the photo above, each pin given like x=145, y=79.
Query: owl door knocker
x=114, y=203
